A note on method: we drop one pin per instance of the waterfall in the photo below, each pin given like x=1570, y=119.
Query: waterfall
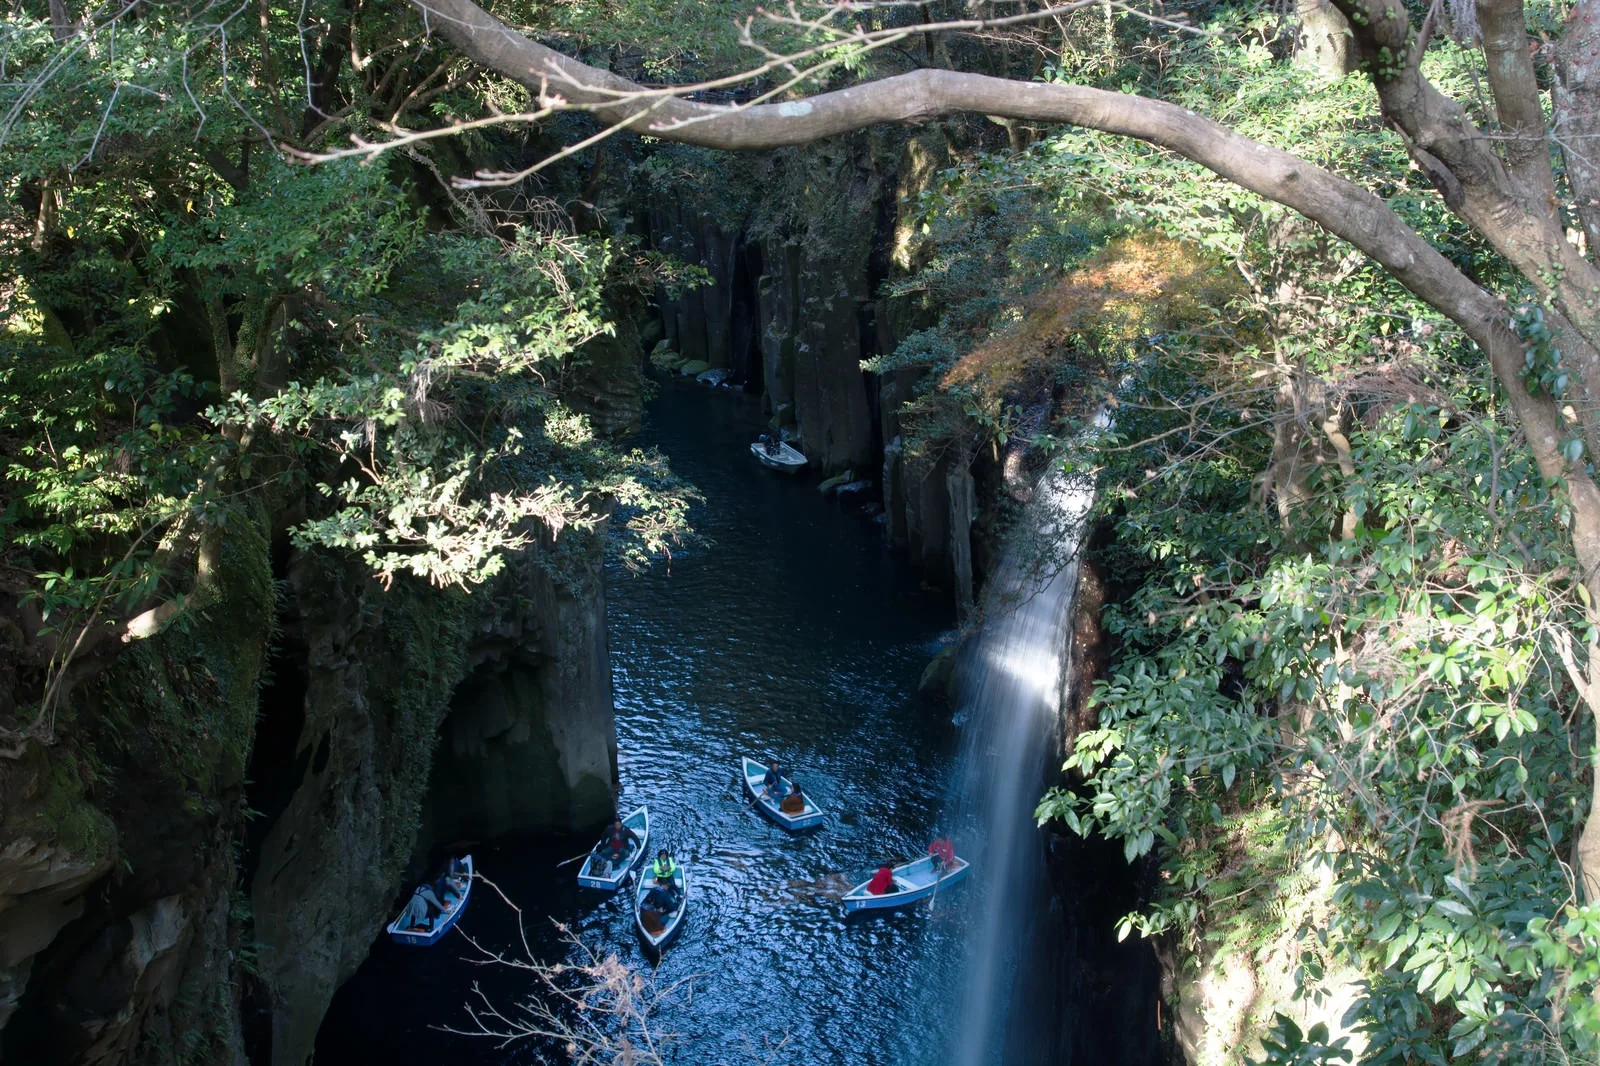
x=1011, y=689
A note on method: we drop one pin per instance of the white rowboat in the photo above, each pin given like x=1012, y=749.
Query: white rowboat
x=599, y=872
x=670, y=922
x=784, y=457
x=913, y=881
x=441, y=923
x=808, y=817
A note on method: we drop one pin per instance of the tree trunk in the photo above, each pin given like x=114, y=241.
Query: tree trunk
x=1577, y=115
x=1324, y=39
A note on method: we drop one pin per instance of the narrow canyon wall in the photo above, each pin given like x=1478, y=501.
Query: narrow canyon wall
x=212, y=849
x=118, y=864
x=798, y=245
x=390, y=677
x=529, y=741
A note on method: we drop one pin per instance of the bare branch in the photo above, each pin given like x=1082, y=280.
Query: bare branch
x=598, y=1008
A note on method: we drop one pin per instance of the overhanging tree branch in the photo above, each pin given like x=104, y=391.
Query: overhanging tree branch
x=1492, y=198
x=1339, y=206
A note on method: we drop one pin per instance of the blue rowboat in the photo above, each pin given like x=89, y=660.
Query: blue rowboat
x=657, y=933
x=913, y=881
x=599, y=872
x=808, y=817
x=421, y=937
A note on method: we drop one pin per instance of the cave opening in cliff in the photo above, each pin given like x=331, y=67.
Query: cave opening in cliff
x=277, y=763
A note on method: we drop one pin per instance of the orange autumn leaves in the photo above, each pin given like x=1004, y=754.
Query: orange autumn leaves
x=1133, y=289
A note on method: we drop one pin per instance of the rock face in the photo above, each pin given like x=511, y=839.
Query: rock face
x=794, y=306
x=118, y=867
x=1087, y=653
x=398, y=736
x=703, y=324
x=144, y=918
x=1228, y=992
x=530, y=739
x=377, y=674
x=605, y=383
x=42, y=886
x=812, y=282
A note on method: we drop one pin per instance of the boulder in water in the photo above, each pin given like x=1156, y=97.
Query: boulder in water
x=939, y=676
x=693, y=368
x=835, y=481
x=662, y=357
x=713, y=377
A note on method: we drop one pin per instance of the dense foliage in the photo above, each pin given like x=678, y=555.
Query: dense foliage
x=1364, y=693
x=1341, y=720
x=197, y=332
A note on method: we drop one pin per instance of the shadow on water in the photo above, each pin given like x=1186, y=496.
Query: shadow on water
x=793, y=633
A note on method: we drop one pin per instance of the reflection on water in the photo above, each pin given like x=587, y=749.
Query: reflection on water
x=795, y=633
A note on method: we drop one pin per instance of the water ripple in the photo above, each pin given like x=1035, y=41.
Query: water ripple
x=794, y=634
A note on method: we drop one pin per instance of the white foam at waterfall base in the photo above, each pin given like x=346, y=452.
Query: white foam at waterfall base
x=1011, y=697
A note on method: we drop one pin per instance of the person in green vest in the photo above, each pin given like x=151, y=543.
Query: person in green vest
x=668, y=887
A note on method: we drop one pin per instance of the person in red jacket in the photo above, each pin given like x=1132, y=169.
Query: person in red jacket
x=882, y=882
x=943, y=852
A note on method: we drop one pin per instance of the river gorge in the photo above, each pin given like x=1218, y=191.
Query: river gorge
x=1198, y=523
x=796, y=632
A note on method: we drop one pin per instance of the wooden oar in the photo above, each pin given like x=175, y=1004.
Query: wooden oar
x=575, y=858
x=942, y=871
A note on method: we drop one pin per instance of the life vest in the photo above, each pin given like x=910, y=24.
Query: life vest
x=665, y=872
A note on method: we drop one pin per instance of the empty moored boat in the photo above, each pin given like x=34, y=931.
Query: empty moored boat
x=659, y=931
x=599, y=872
x=913, y=881
x=808, y=817
x=429, y=933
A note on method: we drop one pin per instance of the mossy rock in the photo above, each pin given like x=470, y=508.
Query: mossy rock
x=836, y=481
x=939, y=676
x=650, y=333
x=662, y=357
x=694, y=368
x=50, y=807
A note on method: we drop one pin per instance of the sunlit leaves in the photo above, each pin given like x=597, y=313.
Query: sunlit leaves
x=1400, y=685
x=340, y=227
x=443, y=456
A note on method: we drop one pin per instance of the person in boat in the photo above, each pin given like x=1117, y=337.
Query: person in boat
x=944, y=854
x=774, y=444
x=772, y=783
x=882, y=882
x=456, y=875
x=447, y=889
x=619, y=844
x=660, y=900
x=667, y=873
x=795, y=801
x=422, y=910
